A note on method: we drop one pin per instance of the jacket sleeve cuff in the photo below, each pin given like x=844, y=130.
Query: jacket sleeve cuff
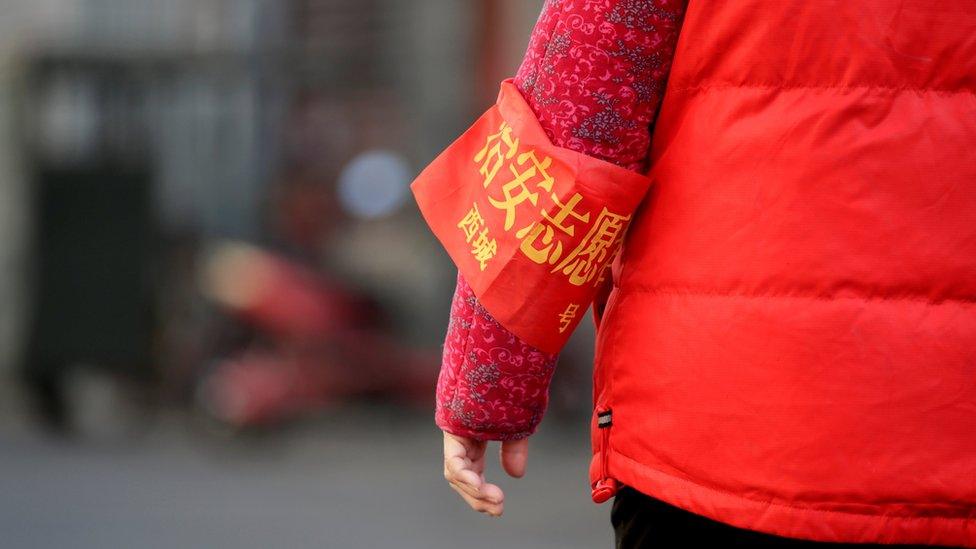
x=532, y=226
x=492, y=385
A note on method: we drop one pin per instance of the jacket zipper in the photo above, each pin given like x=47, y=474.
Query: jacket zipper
x=606, y=486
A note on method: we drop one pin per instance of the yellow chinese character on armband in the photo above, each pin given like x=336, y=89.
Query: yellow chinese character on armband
x=566, y=210
x=539, y=255
x=541, y=166
x=585, y=261
x=484, y=248
x=491, y=156
x=566, y=317
x=608, y=266
x=552, y=251
x=512, y=198
x=471, y=222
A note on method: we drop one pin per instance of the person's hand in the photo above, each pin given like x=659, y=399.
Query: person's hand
x=464, y=466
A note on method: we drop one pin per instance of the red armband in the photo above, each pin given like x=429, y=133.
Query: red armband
x=532, y=226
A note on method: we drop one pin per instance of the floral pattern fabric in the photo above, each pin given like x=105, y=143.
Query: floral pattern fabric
x=594, y=73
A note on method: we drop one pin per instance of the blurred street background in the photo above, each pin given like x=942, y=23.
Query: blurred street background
x=221, y=314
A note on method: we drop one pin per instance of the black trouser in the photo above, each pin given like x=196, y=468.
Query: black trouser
x=641, y=521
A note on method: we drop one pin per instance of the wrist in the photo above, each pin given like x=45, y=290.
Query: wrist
x=484, y=435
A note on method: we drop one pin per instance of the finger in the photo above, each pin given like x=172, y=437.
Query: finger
x=459, y=467
x=459, y=470
x=515, y=456
x=453, y=446
x=470, y=449
x=462, y=446
x=482, y=490
x=478, y=466
x=492, y=492
x=488, y=493
x=494, y=509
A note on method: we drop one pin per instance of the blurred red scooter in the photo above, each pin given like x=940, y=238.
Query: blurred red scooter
x=317, y=343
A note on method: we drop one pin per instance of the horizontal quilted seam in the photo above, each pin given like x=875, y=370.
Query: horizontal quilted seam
x=775, y=86
x=718, y=293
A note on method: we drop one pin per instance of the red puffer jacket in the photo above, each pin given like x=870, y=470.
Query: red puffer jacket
x=790, y=342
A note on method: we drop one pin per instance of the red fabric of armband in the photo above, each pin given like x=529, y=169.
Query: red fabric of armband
x=532, y=226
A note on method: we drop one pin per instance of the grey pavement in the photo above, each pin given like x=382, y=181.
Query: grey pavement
x=357, y=477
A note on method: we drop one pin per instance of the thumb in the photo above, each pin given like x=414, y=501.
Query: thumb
x=514, y=455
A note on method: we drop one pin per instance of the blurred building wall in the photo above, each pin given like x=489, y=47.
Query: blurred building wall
x=13, y=224
x=214, y=83
x=24, y=22
x=205, y=126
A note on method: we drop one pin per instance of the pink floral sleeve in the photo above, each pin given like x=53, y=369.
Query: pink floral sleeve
x=594, y=74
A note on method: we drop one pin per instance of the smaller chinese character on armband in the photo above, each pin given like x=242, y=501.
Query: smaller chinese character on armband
x=483, y=248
